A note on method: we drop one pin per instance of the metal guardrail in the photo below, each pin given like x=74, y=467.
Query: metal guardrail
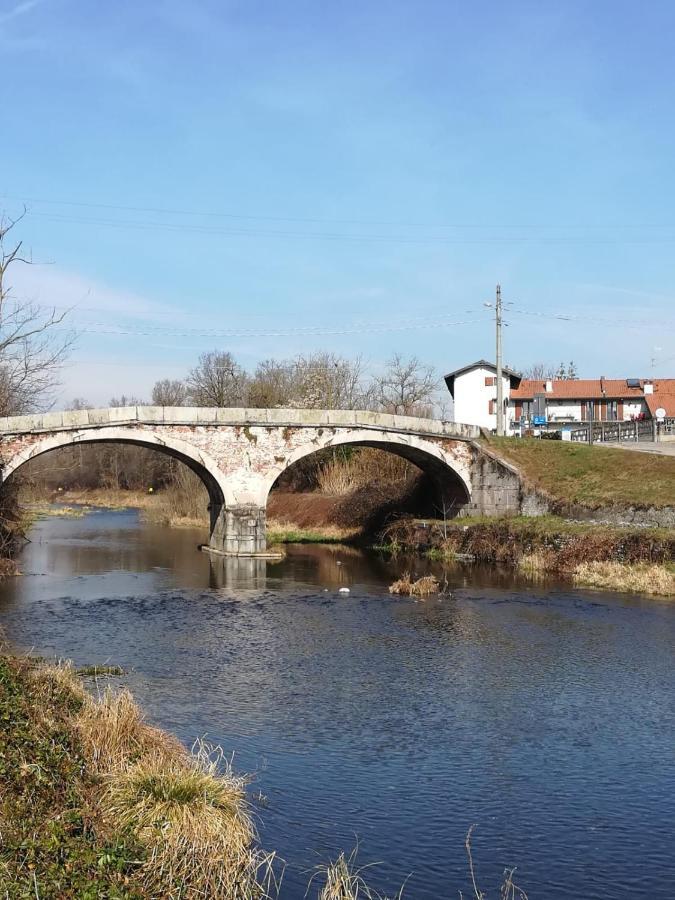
x=615, y=432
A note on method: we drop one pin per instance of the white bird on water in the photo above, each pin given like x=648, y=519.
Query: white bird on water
x=343, y=591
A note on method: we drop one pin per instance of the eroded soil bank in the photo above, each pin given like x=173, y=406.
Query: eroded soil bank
x=604, y=556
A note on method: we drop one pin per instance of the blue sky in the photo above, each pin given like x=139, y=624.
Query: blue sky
x=198, y=168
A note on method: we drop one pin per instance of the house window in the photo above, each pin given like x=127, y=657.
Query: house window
x=491, y=407
x=490, y=382
x=612, y=410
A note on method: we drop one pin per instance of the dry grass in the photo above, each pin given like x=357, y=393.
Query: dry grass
x=537, y=564
x=190, y=812
x=343, y=880
x=114, y=734
x=283, y=532
x=361, y=467
x=639, y=578
x=186, y=810
x=422, y=587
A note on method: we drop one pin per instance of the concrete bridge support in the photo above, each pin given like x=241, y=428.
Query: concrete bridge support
x=245, y=532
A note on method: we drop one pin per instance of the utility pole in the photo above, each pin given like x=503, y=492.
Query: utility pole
x=500, y=387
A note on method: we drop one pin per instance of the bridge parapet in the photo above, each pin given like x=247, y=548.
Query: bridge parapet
x=197, y=415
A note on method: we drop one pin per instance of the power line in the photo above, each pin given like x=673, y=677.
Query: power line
x=597, y=320
x=210, y=214
x=315, y=331
x=206, y=230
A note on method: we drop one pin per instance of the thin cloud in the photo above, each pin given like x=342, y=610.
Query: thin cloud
x=21, y=9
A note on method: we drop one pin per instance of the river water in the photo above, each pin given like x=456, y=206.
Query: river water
x=543, y=714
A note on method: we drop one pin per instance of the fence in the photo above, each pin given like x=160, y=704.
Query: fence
x=618, y=432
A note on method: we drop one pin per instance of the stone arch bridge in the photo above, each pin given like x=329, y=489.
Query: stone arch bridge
x=240, y=453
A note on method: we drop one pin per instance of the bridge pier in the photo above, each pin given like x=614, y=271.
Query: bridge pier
x=238, y=530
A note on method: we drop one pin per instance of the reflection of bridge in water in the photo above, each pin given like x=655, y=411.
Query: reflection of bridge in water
x=240, y=453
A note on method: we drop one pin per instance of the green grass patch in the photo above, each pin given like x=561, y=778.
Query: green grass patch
x=301, y=536
x=99, y=671
x=591, y=476
x=50, y=848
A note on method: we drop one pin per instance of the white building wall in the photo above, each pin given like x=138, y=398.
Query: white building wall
x=563, y=411
x=633, y=409
x=472, y=398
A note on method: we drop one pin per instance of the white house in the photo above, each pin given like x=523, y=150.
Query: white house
x=553, y=402
x=474, y=392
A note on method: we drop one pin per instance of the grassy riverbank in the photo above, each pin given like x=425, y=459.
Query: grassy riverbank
x=604, y=556
x=96, y=803
x=594, y=477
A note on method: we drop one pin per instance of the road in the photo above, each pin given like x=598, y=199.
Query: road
x=664, y=449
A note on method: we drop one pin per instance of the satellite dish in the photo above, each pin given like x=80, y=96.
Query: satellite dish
x=660, y=413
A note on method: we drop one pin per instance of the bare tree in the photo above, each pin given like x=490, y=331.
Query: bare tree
x=272, y=385
x=32, y=346
x=79, y=403
x=318, y=381
x=406, y=387
x=126, y=400
x=540, y=371
x=217, y=380
x=169, y=392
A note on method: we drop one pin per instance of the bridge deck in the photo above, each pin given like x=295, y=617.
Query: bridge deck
x=187, y=415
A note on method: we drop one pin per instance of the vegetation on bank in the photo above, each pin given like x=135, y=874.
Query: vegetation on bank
x=287, y=533
x=638, y=578
x=612, y=557
x=590, y=476
x=95, y=803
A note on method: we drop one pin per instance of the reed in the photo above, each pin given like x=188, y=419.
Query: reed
x=639, y=578
x=349, y=471
x=537, y=564
x=343, y=880
x=422, y=587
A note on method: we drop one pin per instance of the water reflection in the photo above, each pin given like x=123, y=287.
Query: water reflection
x=545, y=715
x=236, y=573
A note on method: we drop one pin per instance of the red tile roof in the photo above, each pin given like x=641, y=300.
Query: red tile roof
x=663, y=399
x=592, y=389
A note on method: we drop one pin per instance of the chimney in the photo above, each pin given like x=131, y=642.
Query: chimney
x=549, y=386
x=649, y=387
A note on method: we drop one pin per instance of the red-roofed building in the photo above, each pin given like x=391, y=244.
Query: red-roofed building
x=555, y=402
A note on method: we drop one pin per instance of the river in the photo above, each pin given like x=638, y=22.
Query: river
x=545, y=715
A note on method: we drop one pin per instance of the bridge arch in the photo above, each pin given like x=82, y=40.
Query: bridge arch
x=201, y=463
x=450, y=474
